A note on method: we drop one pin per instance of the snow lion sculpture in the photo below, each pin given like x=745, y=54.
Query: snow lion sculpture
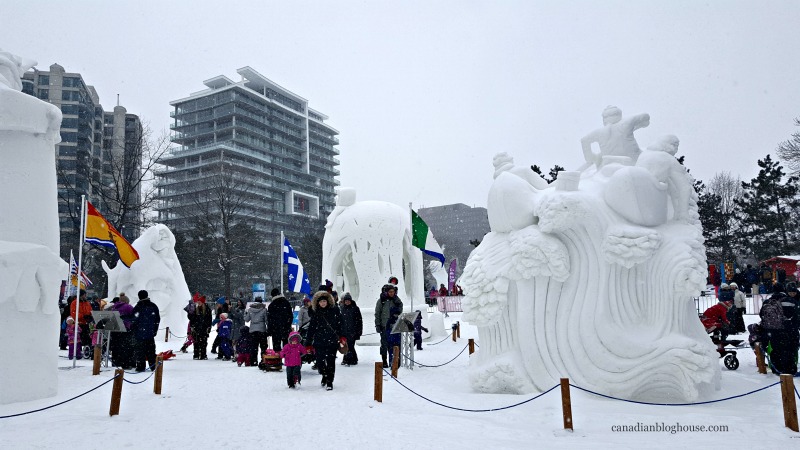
x=592, y=278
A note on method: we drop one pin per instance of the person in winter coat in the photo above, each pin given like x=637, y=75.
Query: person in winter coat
x=325, y=334
x=84, y=316
x=243, y=345
x=777, y=330
x=122, y=345
x=304, y=316
x=200, y=323
x=73, y=345
x=222, y=307
x=386, y=302
x=256, y=314
x=224, y=331
x=738, y=310
x=418, y=328
x=189, y=308
x=146, y=319
x=292, y=355
x=352, y=328
x=279, y=319
x=392, y=339
x=237, y=317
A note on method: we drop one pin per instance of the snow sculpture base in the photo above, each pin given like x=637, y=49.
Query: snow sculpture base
x=572, y=282
x=159, y=272
x=30, y=276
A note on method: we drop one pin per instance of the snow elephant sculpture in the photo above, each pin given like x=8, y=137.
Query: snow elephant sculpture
x=592, y=278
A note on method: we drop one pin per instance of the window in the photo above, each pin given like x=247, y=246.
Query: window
x=44, y=94
x=69, y=109
x=44, y=80
x=69, y=123
x=69, y=137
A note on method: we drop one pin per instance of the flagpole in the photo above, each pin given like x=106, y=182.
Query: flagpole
x=411, y=222
x=280, y=255
x=78, y=297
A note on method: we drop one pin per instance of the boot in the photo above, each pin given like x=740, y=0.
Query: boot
x=183, y=349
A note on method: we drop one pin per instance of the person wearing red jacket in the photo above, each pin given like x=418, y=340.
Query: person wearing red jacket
x=715, y=318
x=84, y=316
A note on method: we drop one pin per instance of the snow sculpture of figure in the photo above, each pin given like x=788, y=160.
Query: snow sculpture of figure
x=30, y=268
x=365, y=243
x=565, y=285
x=615, y=138
x=159, y=272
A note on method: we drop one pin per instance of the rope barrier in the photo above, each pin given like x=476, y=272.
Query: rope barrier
x=470, y=410
x=675, y=404
x=440, y=365
x=449, y=336
x=140, y=382
x=176, y=336
x=797, y=393
x=61, y=403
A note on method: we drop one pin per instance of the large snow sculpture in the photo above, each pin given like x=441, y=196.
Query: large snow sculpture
x=365, y=243
x=592, y=279
x=159, y=272
x=30, y=268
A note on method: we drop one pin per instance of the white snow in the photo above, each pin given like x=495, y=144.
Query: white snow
x=214, y=404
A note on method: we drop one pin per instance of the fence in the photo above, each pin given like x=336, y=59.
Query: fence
x=752, y=303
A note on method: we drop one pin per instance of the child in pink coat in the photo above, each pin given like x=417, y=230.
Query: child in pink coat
x=73, y=344
x=292, y=355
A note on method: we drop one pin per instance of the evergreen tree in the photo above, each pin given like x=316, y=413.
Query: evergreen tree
x=767, y=207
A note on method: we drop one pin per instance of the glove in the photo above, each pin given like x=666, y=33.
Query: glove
x=309, y=349
x=342, y=340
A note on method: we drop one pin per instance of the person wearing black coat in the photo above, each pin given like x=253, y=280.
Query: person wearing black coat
x=144, y=326
x=352, y=328
x=200, y=324
x=279, y=319
x=324, y=334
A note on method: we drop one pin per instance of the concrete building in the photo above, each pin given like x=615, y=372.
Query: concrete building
x=454, y=226
x=278, y=155
x=99, y=154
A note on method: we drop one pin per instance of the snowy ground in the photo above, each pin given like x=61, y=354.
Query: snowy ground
x=213, y=404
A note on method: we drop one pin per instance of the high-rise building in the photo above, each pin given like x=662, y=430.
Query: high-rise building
x=454, y=227
x=278, y=154
x=99, y=155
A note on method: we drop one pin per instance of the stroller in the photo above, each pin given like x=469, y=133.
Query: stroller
x=719, y=336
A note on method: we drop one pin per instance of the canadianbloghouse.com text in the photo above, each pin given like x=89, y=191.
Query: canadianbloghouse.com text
x=661, y=427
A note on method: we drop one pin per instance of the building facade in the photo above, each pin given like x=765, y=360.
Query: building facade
x=99, y=155
x=277, y=155
x=454, y=226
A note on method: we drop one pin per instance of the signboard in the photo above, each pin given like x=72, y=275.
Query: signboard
x=259, y=290
x=405, y=323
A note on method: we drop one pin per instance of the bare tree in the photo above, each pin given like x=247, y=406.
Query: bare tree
x=789, y=151
x=727, y=192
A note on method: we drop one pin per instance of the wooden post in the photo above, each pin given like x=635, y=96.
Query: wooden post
x=116, y=392
x=379, y=382
x=762, y=366
x=458, y=330
x=471, y=343
x=159, y=372
x=454, y=333
x=566, y=404
x=789, y=404
x=97, y=359
x=395, y=361
x=166, y=335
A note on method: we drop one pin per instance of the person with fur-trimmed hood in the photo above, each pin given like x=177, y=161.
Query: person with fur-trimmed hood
x=352, y=328
x=386, y=302
x=325, y=335
x=279, y=319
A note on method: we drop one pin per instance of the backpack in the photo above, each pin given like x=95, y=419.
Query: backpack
x=772, y=317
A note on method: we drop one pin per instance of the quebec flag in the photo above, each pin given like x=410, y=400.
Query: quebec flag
x=298, y=280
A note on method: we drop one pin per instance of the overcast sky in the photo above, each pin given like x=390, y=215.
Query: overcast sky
x=424, y=93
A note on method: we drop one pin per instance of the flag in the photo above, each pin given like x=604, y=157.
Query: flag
x=451, y=275
x=422, y=238
x=298, y=279
x=73, y=270
x=100, y=232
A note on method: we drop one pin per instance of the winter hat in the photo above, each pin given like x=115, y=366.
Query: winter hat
x=390, y=287
x=323, y=287
x=70, y=320
x=115, y=300
x=223, y=316
x=143, y=294
x=306, y=299
x=200, y=299
x=294, y=336
x=347, y=296
x=393, y=280
x=275, y=292
x=791, y=286
x=724, y=286
x=259, y=299
x=734, y=286
x=778, y=287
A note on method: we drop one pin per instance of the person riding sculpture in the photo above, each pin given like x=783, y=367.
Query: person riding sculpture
x=615, y=138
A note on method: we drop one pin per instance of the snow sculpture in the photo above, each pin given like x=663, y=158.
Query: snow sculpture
x=30, y=268
x=159, y=272
x=439, y=273
x=365, y=243
x=592, y=279
x=615, y=138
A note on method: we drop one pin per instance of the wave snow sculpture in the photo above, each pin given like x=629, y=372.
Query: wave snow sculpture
x=365, y=243
x=159, y=272
x=30, y=266
x=592, y=278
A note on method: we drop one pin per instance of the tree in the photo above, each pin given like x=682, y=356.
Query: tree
x=768, y=204
x=789, y=151
x=551, y=176
x=718, y=203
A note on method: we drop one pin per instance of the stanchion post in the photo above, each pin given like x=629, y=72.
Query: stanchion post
x=159, y=372
x=166, y=335
x=566, y=404
x=379, y=382
x=458, y=330
x=395, y=361
x=96, y=362
x=471, y=346
x=116, y=392
x=454, y=332
x=789, y=404
x=762, y=366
